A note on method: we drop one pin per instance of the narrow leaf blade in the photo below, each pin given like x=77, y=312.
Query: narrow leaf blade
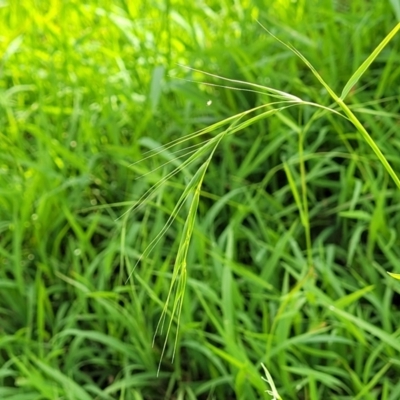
x=364, y=66
x=395, y=276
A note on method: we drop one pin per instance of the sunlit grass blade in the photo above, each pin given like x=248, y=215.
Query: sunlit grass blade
x=395, y=276
x=365, y=65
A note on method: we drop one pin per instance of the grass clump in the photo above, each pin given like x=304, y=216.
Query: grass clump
x=289, y=200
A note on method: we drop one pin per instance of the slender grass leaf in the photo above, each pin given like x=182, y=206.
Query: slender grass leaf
x=395, y=276
x=365, y=65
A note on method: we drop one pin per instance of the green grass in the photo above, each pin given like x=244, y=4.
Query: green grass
x=155, y=245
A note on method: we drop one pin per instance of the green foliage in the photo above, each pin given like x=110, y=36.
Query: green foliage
x=127, y=240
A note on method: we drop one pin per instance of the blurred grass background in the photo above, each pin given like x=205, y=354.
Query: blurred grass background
x=86, y=88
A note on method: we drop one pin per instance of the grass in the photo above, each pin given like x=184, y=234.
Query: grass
x=291, y=209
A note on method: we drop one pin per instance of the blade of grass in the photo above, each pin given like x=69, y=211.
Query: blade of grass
x=365, y=65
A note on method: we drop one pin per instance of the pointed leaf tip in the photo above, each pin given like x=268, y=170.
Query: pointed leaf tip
x=395, y=276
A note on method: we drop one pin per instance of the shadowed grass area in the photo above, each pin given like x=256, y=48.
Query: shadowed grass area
x=273, y=222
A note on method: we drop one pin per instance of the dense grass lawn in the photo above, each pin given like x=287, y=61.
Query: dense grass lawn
x=165, y=231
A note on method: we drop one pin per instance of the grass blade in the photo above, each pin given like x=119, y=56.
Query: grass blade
x=365, y=65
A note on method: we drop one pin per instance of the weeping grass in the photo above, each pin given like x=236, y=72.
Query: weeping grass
x=218, y=231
